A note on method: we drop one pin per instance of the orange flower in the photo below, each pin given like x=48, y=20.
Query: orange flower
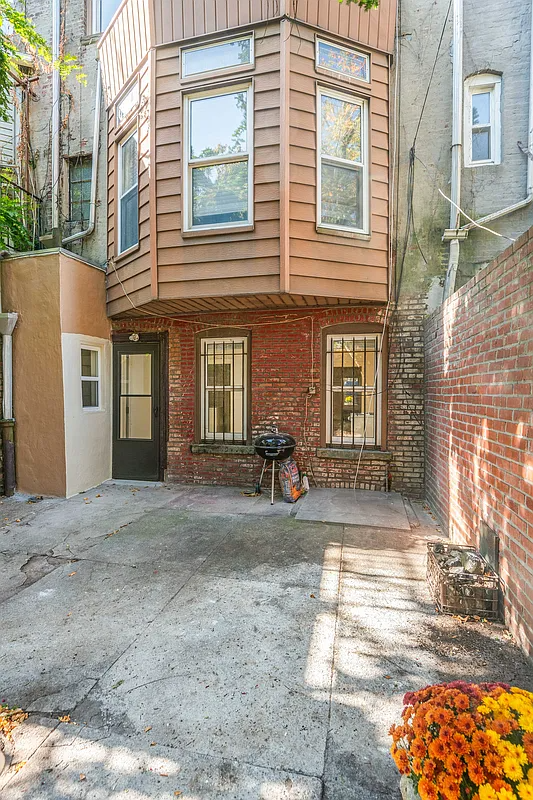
x=443, y=716
x=501, y=726
x=419, y=726
x=498, y=784
x=460, y=745
x=480, y=742
x=416, y=766
x=446, y=733
x=402, y=762
x=465, y=724
x=493, y=764
x=450, y=788
x=428, y=770
x=396, y=731
x=438, y=749
x=418, y=748
x=475, y=773
x=427, y=790
x=455, y=766
x=461, y=701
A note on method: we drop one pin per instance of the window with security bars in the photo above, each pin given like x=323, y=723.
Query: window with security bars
x=224, y=367
x=353, y=389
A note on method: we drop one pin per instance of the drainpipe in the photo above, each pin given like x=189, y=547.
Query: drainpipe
x=56, y=108
x=529, y=196
x=457, y=149
x=94, y=163
x=7, y=423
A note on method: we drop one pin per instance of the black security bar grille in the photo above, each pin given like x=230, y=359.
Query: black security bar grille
x=224, y=365
x=352, y=364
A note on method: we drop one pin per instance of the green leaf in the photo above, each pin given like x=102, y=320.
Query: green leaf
x=366, y=4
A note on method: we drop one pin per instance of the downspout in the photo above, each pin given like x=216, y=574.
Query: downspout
x=94, y=163
x=56, y=109
x=7, y=423
x=529, y=191
x=457, y=147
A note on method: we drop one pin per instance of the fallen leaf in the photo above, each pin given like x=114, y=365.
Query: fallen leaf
x=117, y=684
x=177, y=794
x=65, y=718
x=17, y=520
x=72, y=573
x=98, y=495
x=388, y=677
x=83, y=777
x=313, y=596
x=153, y=744
x=148, y=728
x=163, y=774
x=18, y=767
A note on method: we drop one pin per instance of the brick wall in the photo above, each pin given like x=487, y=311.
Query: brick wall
x=285, y=361
x=479, y=405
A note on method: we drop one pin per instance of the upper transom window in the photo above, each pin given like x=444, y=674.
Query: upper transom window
x=218, y=149
x=343, y=170
x=127, y=104
x=218, y=56
x=348, y=63
x=482, y=120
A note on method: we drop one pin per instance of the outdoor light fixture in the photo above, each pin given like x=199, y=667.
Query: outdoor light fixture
x=134, y=337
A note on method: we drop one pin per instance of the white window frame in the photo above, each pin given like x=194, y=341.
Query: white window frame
x=479, y=84
x=375, y=392
x=96, y=16
x=205, y=436
x=349, y=50
x=245, y=155
x=365, y=150
x=119, y=124
x=216, y=43
x=91, y=379
x=120, y=195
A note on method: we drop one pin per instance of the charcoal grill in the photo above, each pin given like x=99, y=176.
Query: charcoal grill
x=273, y=447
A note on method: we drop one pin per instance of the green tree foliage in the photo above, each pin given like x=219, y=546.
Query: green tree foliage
x=18, y=34
x=366, y=4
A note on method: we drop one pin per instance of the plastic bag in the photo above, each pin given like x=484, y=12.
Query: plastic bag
x=289, y=480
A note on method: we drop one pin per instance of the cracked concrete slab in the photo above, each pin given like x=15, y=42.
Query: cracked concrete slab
x=349, y=507
x=264, y=657
x=100, y=768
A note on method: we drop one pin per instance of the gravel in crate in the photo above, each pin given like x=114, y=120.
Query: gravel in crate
x=458, y=591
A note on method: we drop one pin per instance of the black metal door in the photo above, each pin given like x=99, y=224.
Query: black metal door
x=136, y=417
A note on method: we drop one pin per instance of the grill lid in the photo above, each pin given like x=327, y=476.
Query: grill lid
x=275, y=446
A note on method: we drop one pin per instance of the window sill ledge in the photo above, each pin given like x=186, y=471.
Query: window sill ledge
x=346, y=234
x=224, y=448
x=192, y=234
x=353, y=455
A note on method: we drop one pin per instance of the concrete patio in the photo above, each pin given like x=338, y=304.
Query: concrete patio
x=207, y=645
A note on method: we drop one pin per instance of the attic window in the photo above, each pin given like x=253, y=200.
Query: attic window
x=127, y=104
x=345, y=62
x=218, y=56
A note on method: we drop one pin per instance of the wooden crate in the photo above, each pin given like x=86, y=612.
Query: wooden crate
x=463, y=594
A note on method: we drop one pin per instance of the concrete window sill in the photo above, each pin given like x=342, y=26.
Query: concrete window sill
x=353, y=455
x=223, y=448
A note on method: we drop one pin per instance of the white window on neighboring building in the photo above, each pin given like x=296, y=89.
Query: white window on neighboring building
x=218, y=150
x=482, y=120
x=103, y=12
x=221, y=55
x=224, y=389
x=342, y=60
x=128, y=192
x=7, y=136
x=90, y=377
x=343, y=196
x=353, y=389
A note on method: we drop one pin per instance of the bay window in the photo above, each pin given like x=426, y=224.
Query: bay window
x=128, y=192
x=352, y=389
x=343, y=202
x=218, y=155
x=223, y=385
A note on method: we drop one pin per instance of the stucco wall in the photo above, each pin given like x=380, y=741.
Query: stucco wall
x=31, y=287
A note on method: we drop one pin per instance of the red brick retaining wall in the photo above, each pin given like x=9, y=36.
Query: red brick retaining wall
x=479, y=420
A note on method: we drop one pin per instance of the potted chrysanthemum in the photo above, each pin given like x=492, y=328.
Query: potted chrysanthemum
x=464, y=741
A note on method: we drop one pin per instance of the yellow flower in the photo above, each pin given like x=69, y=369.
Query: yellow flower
x=486, y=792
x=530, y=776
x=512, y=768
x=493, y=737
x=525, y=791
x=506, y=794
x=520, y=754
x=525, y=721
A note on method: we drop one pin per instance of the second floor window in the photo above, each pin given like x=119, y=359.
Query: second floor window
x=102, y=13
x=80, y=189
x=218, y=151
x=128, y=193
x=482, y=120
x=343, y=201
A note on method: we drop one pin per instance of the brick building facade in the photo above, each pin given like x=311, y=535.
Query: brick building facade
x=479, y=420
